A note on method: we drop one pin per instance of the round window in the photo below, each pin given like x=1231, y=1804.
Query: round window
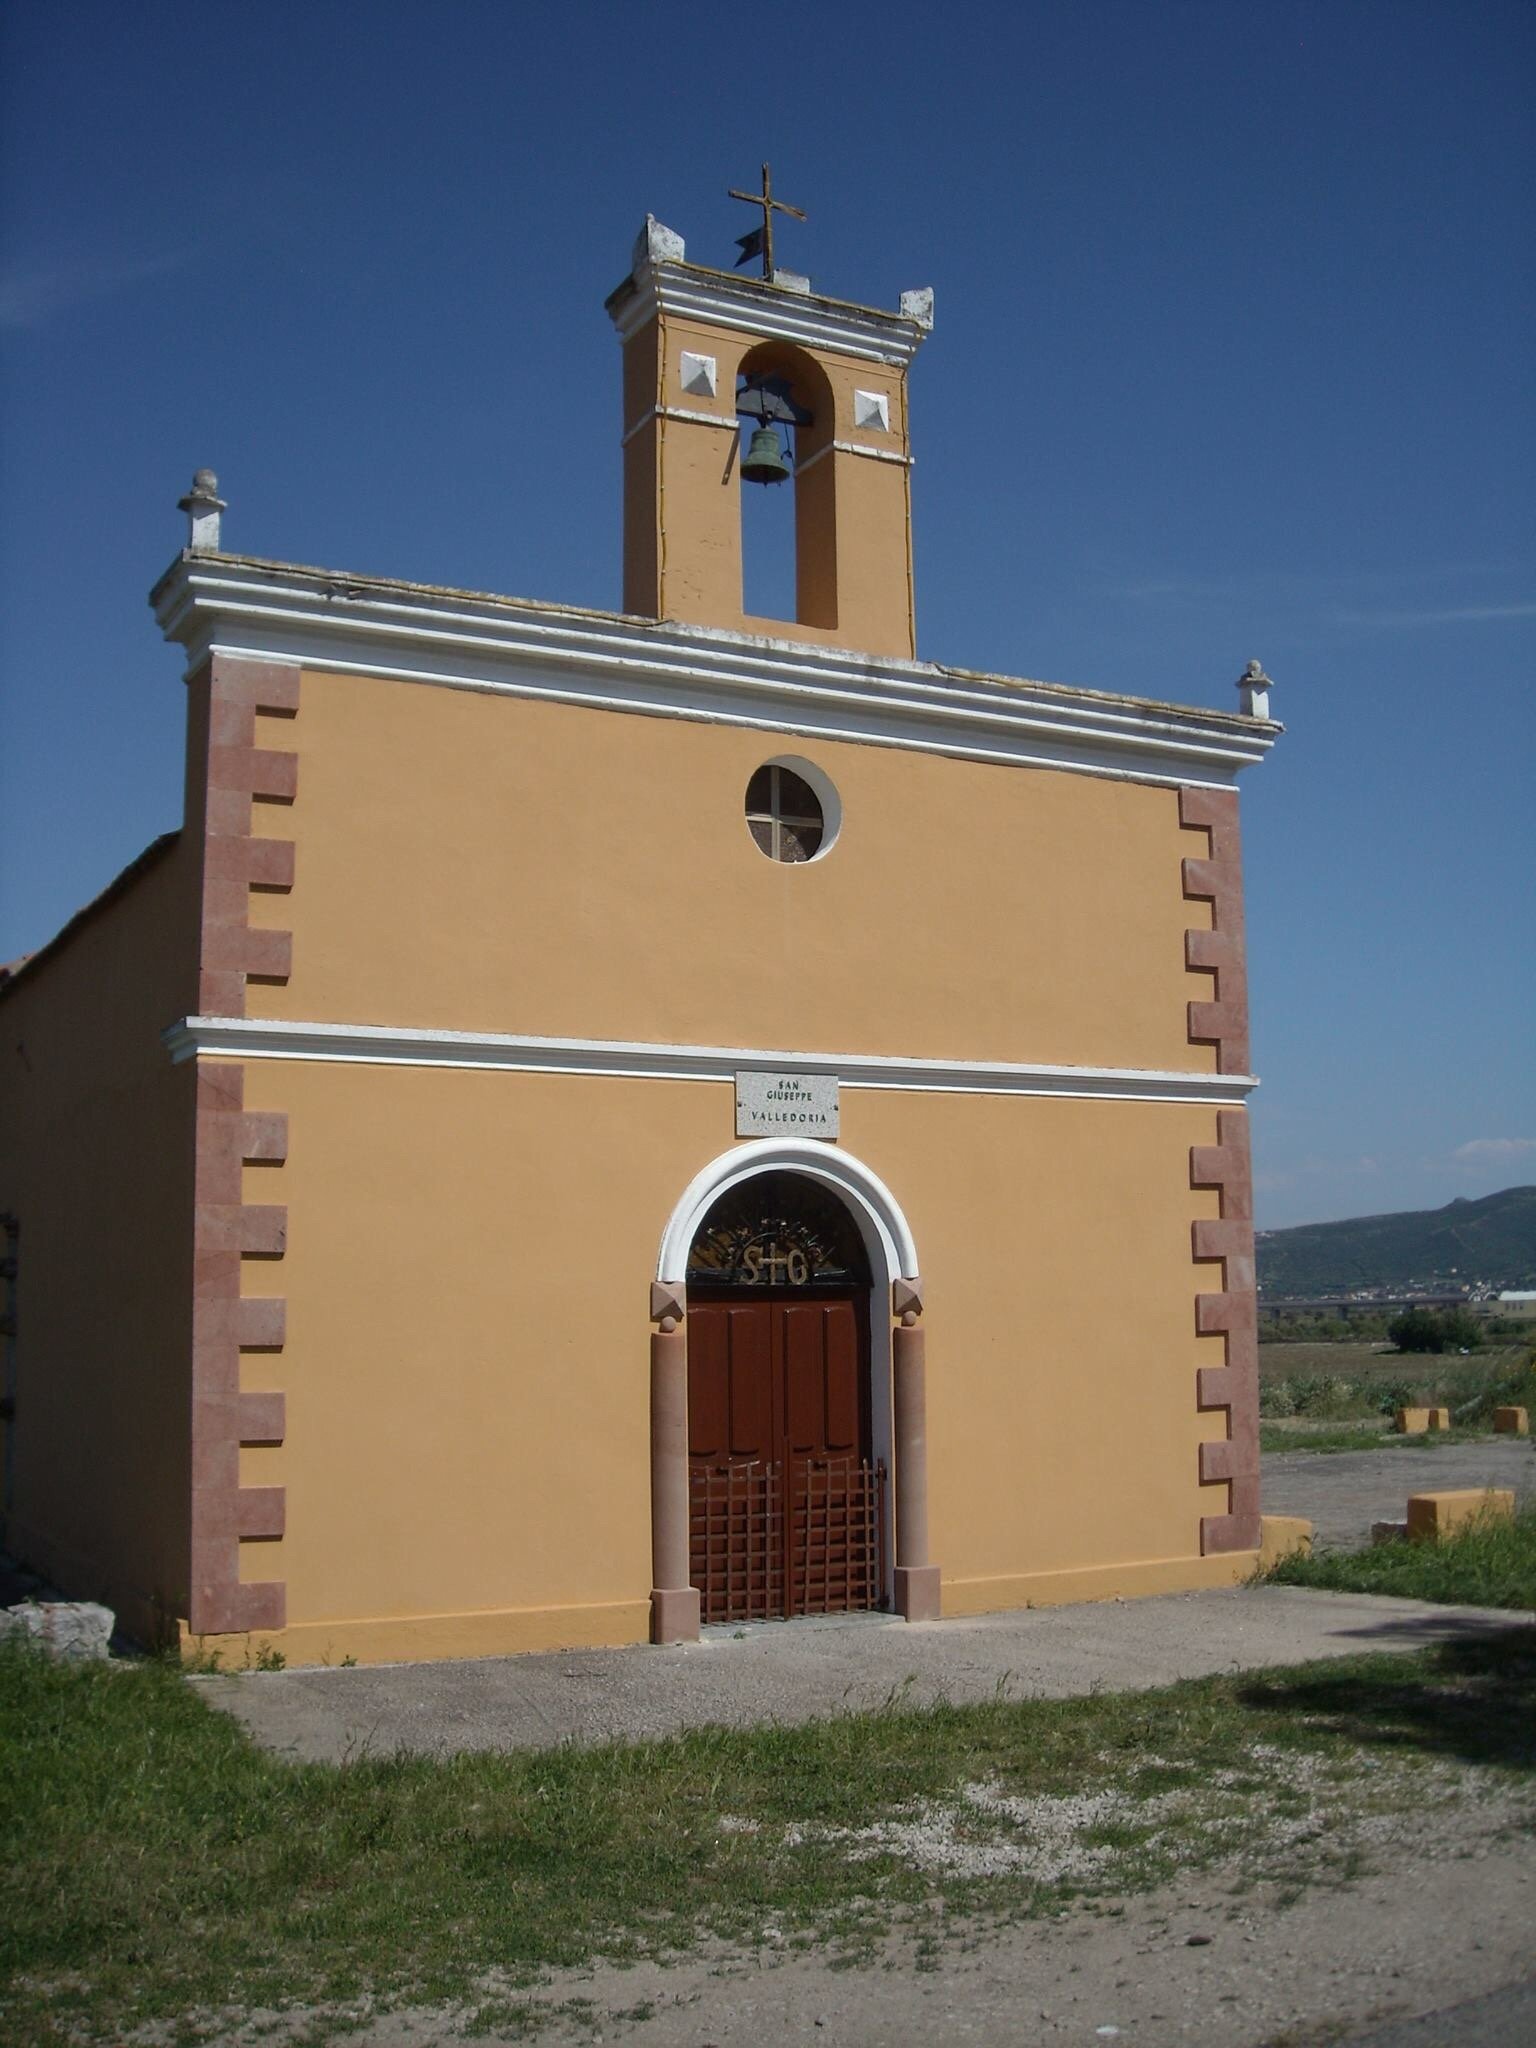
x=792, y=810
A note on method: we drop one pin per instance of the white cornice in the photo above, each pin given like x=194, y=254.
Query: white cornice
x=513, y=1052
x=454, y=639
x=752, y=306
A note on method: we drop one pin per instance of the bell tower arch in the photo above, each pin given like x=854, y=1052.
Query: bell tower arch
x=694, y=339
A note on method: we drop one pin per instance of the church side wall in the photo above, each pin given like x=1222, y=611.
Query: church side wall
x=474, y=862
x=97, y=1168
x=468, y=1260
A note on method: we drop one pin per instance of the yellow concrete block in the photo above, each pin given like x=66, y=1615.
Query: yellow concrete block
x=1283, y=1536
x=1433, y=1515
x=1512, y=1421
x=1412, y=1421
x=1439, y=1418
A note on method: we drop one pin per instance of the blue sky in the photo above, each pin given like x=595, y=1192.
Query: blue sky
x=1232, y=358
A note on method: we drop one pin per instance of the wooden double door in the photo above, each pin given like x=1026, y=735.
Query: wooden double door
x=787, y=1503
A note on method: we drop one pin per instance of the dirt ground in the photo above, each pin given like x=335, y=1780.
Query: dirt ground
x=1344, y=1493
x=1448, y=1915
x=1441, y=1910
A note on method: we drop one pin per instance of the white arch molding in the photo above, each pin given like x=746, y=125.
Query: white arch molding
x=912, y=1586
x=876, y=1210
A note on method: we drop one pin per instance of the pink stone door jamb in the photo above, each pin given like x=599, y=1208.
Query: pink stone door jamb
x=674, y=1602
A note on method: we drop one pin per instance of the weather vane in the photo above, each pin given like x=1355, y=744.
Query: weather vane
x=760, y=241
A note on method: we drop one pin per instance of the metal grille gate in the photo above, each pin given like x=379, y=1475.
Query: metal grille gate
x=769, y=1539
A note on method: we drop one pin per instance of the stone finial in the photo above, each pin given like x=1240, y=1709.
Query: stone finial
x=918, y=308
x=1253, y=688
x=656, y=244
x=202, y=505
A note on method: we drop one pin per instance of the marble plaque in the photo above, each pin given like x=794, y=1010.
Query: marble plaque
x=786, y=1106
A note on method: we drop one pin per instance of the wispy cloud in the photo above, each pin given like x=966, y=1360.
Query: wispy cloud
x=1336, y=602
x=1478, y=1152
x=1451, y=615
x=30, y=298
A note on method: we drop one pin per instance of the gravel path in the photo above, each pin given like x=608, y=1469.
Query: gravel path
x=1342, y=1494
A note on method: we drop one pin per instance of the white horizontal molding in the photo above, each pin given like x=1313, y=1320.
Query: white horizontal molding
x=680, y=412
x=513, y=1052
x=715, y=419
x=747, y=305
x=855, y=448
x=465, y=640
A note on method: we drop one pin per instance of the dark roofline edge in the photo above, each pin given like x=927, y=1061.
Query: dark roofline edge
x=120, y=884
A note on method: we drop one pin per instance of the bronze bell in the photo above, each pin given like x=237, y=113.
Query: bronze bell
x=764, y=461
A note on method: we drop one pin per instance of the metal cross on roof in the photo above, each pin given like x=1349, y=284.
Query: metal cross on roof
x=760, y=241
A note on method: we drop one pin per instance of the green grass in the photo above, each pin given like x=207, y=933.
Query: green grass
x=1490, y=1564
x=1345, y=1436
x=155, y=1867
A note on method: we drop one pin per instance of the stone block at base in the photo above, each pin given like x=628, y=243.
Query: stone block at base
x=1433, y=1515
x=1283, y=1536
x=1388, y=1532
x=1512, y=1421
x=1419, y=1421
x=675, y=1614
x=64, y=1628
x=918, y=1597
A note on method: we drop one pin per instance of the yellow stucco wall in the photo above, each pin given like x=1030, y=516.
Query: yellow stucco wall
x=466, y=1369
x=97, y=1164
x=475, y=862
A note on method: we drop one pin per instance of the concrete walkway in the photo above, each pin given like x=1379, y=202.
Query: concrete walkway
x=789, y=1672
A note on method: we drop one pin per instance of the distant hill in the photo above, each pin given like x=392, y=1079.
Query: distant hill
x=1493, y=1240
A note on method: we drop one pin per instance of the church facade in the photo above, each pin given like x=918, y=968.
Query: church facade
x=603, y=1123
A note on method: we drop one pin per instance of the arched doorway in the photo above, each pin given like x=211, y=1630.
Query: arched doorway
x=787, y=1497
x=896, y=1379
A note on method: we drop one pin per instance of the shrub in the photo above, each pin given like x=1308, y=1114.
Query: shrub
x=1322, y=1394
x=1416, y=1329
x=1435, y=1330
x=1515, y=1387
x=1461, y=1329
x=1318, y=1394
x=1397, y=1394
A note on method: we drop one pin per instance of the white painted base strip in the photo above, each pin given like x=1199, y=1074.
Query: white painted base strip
x=511, y=1052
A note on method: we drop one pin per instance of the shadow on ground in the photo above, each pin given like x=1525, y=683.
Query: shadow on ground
x=1475, y=1702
